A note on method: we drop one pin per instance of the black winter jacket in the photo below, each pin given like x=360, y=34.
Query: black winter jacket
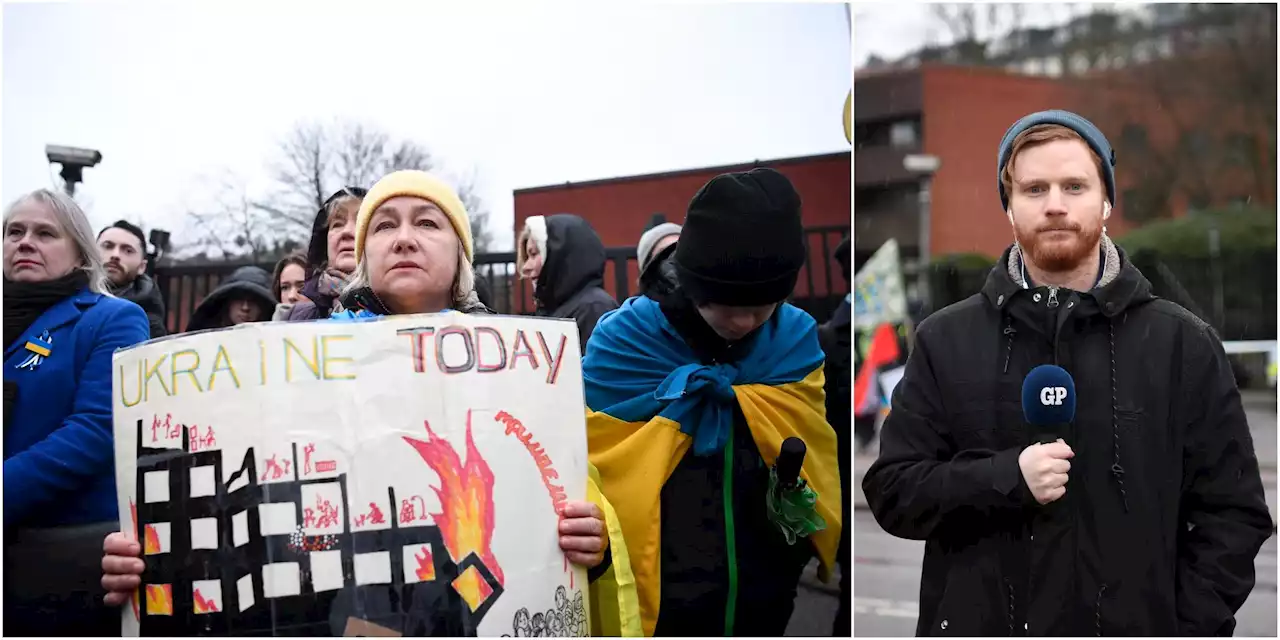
x=570, y=284
x=144, y=293
x=1164, y=511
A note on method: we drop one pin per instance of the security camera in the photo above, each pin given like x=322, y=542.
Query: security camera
x=160, y=239
x=72, y=156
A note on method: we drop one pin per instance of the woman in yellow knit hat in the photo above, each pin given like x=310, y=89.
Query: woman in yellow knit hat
x=414, y=253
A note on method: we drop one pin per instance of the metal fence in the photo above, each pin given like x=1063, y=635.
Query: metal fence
x=819, y=290
x=1235, y=293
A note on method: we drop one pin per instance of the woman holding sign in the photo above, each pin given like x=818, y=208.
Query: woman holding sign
x=60, y=330
x=413, y=249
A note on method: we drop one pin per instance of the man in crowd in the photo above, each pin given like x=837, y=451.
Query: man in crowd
x=690, y=396
x=124, y=254
x=1144, y=515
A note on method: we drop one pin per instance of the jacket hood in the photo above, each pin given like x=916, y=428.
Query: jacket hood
x=574, y=261
x=1120, y=287
x=249, y=281
x=318, y=248
x=144, y=293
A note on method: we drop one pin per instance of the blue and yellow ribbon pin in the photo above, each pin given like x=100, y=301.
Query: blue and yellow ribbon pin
x=40, y=349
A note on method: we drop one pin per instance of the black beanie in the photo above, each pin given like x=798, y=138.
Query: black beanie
x=743, y=241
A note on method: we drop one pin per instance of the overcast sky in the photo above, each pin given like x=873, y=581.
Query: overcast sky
x=523, y=94
x=894, y=30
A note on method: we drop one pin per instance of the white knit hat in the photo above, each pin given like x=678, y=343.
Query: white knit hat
x=650, y=239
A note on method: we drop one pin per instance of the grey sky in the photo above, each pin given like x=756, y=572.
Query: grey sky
x=523, y=94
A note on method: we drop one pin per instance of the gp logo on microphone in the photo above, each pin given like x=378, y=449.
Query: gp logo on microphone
x=1051, y=396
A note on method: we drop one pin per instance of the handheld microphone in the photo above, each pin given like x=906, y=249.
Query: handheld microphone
x=789, y=461
x=1048, y=402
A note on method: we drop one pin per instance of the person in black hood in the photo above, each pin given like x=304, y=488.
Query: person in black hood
x=564, y=258
x=1145, y=515
x=243, y=297
x=124, y=254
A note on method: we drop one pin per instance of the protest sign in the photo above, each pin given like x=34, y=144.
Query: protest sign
x=395, y=477
x=879, y=295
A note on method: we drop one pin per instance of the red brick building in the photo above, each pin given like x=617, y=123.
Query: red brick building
x=620, y=208
x=959, y=115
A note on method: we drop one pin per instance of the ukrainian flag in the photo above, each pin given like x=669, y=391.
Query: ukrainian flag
x=649, y=400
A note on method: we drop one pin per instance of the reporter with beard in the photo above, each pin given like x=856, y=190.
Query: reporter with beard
x=124, y=256
x=1146, y=516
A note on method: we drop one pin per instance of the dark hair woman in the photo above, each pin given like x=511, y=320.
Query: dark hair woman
x=61, y=328
x=287, y=282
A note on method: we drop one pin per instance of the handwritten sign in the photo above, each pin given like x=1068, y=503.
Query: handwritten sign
x=398, y=477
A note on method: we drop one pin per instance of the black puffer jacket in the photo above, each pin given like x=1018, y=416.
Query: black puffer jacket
x=144, y=293
x=572, y=278
x=1164, y=511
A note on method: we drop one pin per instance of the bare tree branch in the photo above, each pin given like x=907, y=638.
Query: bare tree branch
x=312, y=162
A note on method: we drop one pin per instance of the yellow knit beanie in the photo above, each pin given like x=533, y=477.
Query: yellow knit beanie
x=418, y=184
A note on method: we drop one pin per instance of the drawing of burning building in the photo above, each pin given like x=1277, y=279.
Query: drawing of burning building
x=263, y=552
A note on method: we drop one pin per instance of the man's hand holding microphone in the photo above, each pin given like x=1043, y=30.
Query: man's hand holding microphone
x=1049, y=404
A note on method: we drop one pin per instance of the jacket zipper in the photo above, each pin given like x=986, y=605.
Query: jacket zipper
x=1052, y=303
x=731, y=541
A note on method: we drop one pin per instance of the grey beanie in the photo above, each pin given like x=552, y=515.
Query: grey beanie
x=650, y=239
x=1091, y=134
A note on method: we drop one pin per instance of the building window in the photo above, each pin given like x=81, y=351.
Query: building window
x=904, y=133
x=1080, y=63
x=889, y=133
x=1196, y=143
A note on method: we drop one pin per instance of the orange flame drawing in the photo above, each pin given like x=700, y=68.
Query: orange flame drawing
x=133, y=511
x=202, y=605
x=160, y=599
x=426, y=567
x=466, y=502
x=152, y=543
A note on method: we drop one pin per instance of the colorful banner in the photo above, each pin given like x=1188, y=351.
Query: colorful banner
x=879, y=295
x=388, y=478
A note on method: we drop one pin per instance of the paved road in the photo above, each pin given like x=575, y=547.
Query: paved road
x=886, y=585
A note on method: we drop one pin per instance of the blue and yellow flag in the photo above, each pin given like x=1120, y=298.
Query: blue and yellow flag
x=649, y=399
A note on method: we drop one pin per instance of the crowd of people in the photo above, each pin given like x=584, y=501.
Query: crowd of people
x=691, y=389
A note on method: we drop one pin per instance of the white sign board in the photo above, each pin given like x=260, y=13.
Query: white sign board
x=878, y=292
x=395, y=477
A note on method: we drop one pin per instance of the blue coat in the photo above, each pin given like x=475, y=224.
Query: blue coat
x=59, y=452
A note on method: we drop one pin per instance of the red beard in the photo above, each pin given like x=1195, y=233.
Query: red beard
x=1058, y=251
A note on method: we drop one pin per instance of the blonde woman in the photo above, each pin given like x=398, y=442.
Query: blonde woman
x=413, y=250
x=60, y=329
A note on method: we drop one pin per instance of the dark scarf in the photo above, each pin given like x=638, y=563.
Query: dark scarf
x=24, y=302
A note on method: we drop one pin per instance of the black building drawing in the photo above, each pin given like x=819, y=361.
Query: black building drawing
x=430, y=607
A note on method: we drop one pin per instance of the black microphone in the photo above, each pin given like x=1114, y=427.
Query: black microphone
x=789, y=461
x=1048, y=403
